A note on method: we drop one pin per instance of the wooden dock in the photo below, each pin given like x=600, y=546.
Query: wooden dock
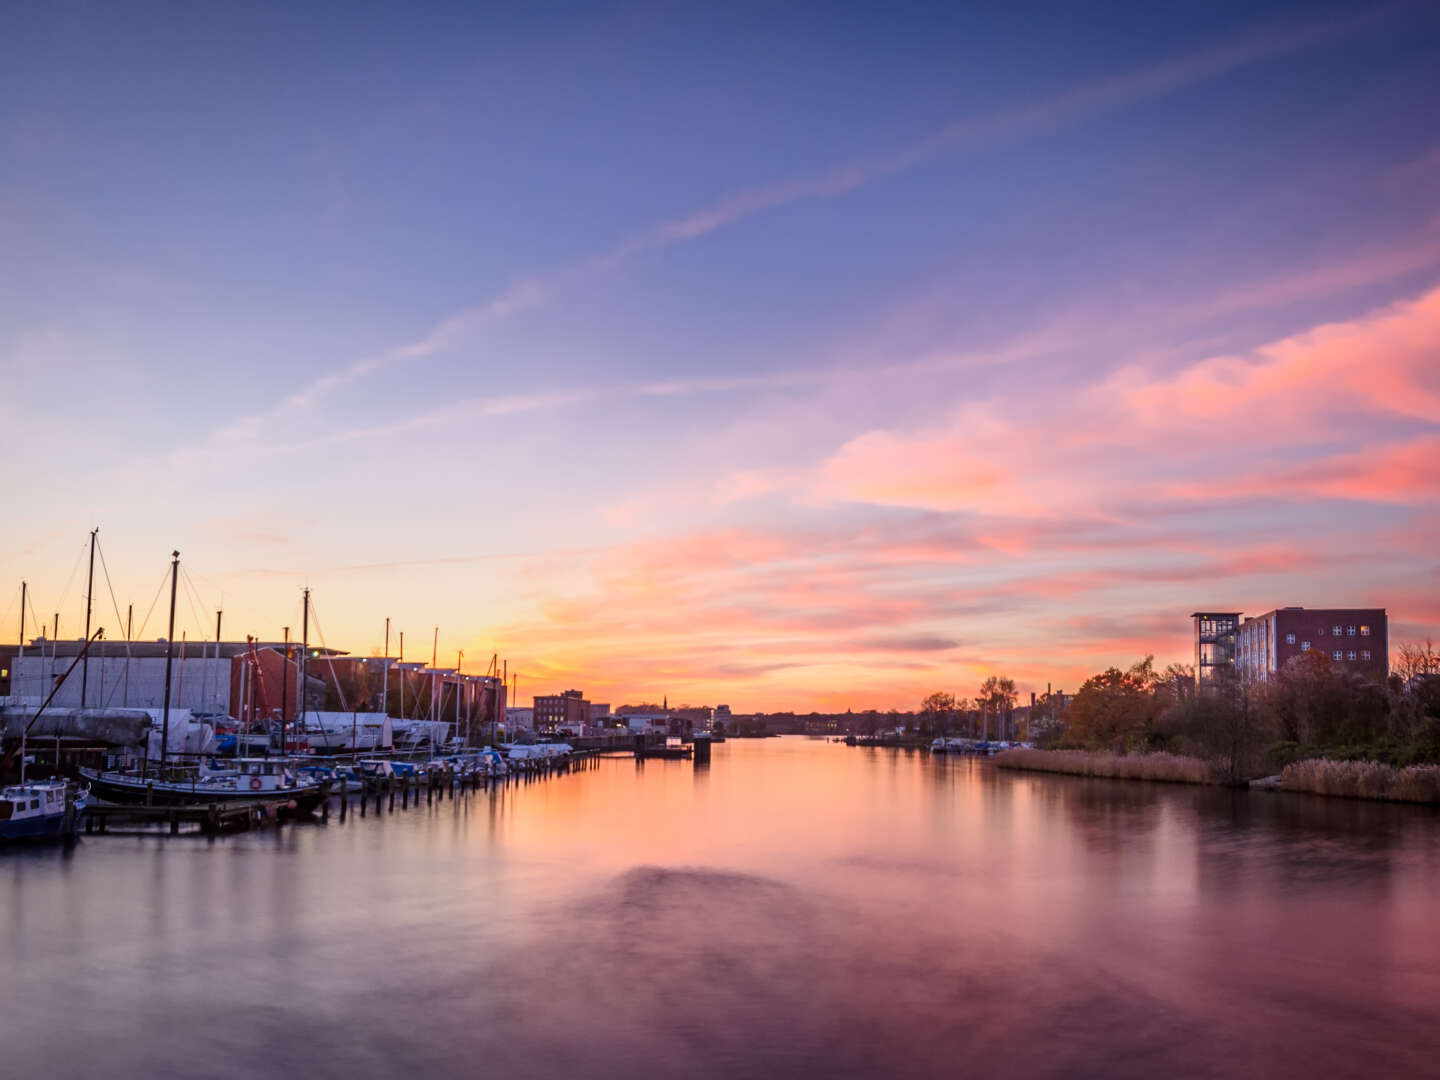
x=209, y=820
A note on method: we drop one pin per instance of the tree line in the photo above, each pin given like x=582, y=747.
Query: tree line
x=1311, y=708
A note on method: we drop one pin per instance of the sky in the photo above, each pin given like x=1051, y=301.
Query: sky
x=796, y=356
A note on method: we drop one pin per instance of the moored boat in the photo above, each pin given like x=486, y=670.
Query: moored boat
x=249, y=780
x=39, y=810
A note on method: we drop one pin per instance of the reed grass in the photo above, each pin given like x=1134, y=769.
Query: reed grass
x=1168, y=768
x=1364, y=780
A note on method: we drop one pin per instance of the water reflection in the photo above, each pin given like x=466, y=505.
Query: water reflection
x=797, y=908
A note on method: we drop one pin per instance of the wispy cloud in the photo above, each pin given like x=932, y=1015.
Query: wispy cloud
x=973, y=133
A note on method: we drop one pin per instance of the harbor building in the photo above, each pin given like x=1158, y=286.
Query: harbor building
x=205, y=678
x=568, y=710
x=1354, y=639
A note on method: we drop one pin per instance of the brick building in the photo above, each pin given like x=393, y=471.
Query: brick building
x=568, y=710
x=1356, y=639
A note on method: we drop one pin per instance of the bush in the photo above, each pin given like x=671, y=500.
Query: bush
x=1364, y=780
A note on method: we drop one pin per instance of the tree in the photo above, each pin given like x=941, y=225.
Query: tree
x=1115, y=710
x=1416, y=660
x=936, y=712
x=1228, y=724
x=997, y=697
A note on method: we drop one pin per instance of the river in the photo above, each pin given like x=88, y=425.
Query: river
x=797, y=908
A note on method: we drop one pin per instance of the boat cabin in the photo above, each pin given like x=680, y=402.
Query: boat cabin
x=32, y=800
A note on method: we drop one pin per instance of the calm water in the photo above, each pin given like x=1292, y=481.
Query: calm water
x=798, y=908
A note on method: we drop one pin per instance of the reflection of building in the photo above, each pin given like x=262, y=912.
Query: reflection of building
x=1356, y=639
x=567, y=710
x=1214, y=643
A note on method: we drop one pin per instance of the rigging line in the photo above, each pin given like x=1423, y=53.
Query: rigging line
x=160, y=588
x=35, y=618
x=194, y=611
x=79, y=558
x=113, y=601
x=339, y=691
x=194, y=591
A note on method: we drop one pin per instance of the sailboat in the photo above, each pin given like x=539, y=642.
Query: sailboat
x=246, y=780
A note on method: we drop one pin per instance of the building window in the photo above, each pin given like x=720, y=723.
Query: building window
x=1321, y=631
x=1364, y=631
x=1289, y=639
x=1350, y=655
x=1337, y=655
x=1304, y=646
x=1364, y=654
x=1350, y=631
x=1335, y=630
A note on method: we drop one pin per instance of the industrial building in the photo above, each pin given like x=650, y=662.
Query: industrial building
x=229, y=679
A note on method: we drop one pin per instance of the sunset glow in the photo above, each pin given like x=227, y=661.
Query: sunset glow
x=809, y=388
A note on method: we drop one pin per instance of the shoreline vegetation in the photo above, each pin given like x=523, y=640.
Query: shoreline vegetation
x=1316, y=776
x=1157, y=765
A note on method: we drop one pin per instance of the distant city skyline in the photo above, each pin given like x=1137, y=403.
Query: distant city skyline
x=811, y=359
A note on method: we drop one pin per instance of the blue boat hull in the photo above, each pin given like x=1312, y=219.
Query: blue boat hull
x=49, y=827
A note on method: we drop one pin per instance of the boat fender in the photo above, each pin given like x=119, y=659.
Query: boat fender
x=255, y=784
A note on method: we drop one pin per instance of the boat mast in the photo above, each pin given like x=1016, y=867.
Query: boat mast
x=304, y=654
x=218, y=615
x=169, y=654
x=385, y=674
x=89, y=595
x=129, y=625
x=24, y=593
x=285, y=687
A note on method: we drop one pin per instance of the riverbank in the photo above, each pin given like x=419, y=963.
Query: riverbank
x=1313, y=776
x=1363, y=780
x=1167, y=768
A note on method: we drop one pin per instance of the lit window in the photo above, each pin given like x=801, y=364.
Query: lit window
x=1364, y=654
x=1304, y=646
x=1335, y=630
x=1337, y=655
x=1350, y=631
x=1289, y=639
x=1364, y=631
x=1350, y=655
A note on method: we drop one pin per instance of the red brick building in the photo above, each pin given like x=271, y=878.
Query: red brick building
x=1356, y=639
x=569, y=711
